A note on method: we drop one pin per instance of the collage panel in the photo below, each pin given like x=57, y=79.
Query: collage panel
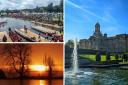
x=63, y=42
x=96, y=42
x=31, y=21
x=31, y=42
x=31, y=64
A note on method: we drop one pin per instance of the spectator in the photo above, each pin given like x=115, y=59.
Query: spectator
x=4, y=39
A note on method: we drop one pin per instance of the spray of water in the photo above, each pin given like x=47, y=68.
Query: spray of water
x=75, y=58
x=76, y=72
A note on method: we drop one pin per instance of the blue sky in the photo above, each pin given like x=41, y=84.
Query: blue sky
x=82, y=15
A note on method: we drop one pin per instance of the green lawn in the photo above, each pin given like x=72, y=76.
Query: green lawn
x=92, y=57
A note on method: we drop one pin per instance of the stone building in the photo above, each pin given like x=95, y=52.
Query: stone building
x=99, y=41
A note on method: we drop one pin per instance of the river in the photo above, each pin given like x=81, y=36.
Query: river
x=31, y=82
x=14, y=23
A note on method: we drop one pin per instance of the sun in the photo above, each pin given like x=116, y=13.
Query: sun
x=38, y=68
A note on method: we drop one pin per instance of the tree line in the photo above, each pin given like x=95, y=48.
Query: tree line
x=49, y=8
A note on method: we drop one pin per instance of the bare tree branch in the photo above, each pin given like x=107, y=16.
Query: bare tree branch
x=49, y=62
x=18, y=56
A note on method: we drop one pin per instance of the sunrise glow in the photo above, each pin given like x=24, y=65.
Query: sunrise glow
x=38, y=68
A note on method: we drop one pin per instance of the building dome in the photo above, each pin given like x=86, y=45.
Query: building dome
x=97, y=32
x=97, y=26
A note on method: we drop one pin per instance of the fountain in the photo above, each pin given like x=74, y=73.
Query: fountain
x=75, y=72
x=75, y=59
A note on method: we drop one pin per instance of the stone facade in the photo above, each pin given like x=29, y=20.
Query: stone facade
x=99, y=41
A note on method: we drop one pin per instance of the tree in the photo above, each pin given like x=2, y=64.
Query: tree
x=49, y=62
x=56, y=8
x=50, y=7
x=18, y=56
x=116, y=56
x=125, y=57
x=61, y=5
x=108, y=56
x=37, y=9
x=70, y=43
x=59, y=8
x=98, y=57
x=2, y=74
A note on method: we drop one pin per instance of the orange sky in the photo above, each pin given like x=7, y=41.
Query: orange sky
x=53, y=50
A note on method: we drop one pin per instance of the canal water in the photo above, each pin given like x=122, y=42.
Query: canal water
x=95, y=76
x=31, y=82
x=14, y=23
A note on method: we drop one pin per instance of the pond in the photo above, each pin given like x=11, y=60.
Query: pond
x=31, y=82
x=98, y=76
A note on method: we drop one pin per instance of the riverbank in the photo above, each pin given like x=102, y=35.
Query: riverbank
x=101, y=66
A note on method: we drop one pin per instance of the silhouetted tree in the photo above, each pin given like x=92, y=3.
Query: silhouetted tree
x=18, y=56
x=49, y=62
x=2, y=74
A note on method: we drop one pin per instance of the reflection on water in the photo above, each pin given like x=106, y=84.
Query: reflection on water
x=31, y=82
x=14, y=23
x=113, y=76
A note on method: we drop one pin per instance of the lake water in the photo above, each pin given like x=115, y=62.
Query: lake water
x=94, y=76
x=31, y=82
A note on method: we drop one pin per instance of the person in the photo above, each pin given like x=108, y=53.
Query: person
x=9, y=29
x=4, y=39
x=39, y=36
x=25, y=29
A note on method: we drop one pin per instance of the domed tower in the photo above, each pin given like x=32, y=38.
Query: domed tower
x=97, y=27
x=97, y=32
x=97, y=38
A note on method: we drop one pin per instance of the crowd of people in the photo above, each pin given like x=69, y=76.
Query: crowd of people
x=55, y=38
x=14, y=37
x=52, y=37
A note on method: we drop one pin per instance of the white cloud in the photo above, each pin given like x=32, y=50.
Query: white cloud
x=86, y=10
x=21, y=4
x=108, y=14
